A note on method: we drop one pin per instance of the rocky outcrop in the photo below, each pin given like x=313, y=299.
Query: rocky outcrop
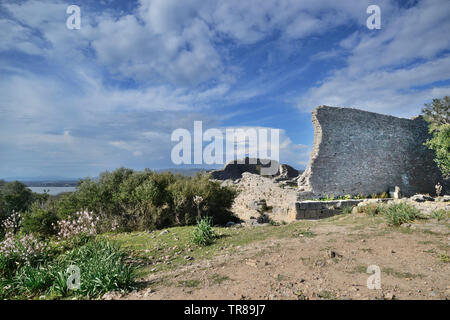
x=260, y=195
x=233, y=170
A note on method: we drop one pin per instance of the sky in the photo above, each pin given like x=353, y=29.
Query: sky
x=76, y=102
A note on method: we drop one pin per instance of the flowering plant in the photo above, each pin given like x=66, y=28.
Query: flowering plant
x=84, y=223
x=21, y=250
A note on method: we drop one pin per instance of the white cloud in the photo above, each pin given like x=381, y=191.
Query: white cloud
x=393, y=70
x=111, y=93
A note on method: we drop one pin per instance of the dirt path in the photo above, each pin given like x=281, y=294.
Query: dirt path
x=330, y=263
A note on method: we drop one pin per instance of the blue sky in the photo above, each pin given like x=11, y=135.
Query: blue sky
x=74, y=103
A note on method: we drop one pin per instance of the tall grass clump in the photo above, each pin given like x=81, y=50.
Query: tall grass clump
x=396, y=213
x=440, y=214
x=399, y=213
x=102, y=269
x=203, y=233
x=371, y=209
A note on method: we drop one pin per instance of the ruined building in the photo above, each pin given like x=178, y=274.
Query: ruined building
x=360, y=152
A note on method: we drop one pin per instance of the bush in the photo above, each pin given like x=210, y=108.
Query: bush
x=142, y=200
x=127, y=200
x=440, y=143
x=440, y=214
x=17, y=251
x=40, y=221
x=437, y=114
x=371, y=209
x=399, y=213
x=203, y=234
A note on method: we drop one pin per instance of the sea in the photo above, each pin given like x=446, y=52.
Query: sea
x=52, y=190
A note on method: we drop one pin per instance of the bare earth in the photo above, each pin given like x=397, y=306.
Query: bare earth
x=328, y=265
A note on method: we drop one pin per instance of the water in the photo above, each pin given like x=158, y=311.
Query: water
x=52, y=190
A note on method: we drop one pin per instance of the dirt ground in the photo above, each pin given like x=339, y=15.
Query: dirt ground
x=329, y=263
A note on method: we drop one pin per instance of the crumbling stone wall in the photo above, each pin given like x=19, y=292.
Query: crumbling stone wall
x=360, y=152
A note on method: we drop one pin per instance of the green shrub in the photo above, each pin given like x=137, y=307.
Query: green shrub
x=399, y=213
x=347, y=209
x=16, y=196
x=142, y=200
x=19, y=250
x=40, y=220
x=440, y=214
x=203, y=234
x=371, y=209
x=437, y=115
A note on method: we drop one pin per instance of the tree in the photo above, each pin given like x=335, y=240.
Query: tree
x=16, y=196
x=437, y=114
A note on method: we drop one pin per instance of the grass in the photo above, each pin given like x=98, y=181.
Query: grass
x=391, y=272
x=372, y=209
x=347, y=209
x=152, y=247
x=382, y=195
x=326, y=295
x=218, y=279
x=444, y=258
x=189, y=283
x=304, y=233
x=440, y=214
x=102, y=268
x=395, y=213
x=399, y=274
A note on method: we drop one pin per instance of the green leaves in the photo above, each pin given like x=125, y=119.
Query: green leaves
x=102, y=269
x=437, y=114
x=203, y=234
x=440, y=143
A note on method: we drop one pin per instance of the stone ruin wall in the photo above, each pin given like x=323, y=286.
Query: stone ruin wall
x=360, y=152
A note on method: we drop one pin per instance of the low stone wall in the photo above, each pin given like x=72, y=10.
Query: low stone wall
x=322, y=209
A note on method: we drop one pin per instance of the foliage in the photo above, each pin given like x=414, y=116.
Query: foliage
x=142, y=200
x=17, y=251
x=14, y=197
x=347, y=209
x=40, y=220
x=396, y=213
x=440, y=143
x=440, y=214
x=83, y=223
x=437, y=114
x=371, y=209
x=203, y=234
x=102, y=269
x=399, y=213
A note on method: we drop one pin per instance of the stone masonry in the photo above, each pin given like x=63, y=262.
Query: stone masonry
x=360, y=152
